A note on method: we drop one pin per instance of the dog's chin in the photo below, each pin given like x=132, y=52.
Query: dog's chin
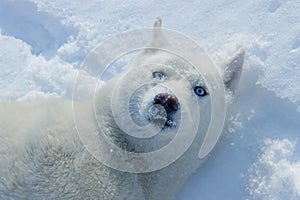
x=165, y=106
x=164, y=124
x=157, y=116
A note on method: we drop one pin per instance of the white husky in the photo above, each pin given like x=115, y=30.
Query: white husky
x=42, y=156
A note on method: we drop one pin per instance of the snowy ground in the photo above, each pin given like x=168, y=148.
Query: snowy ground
x=42, y=44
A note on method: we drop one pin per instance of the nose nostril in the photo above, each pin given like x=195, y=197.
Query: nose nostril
x=173, y=103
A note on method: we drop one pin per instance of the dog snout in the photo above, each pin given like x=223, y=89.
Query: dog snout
x=168, y=101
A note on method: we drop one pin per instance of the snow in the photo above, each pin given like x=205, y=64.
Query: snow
x=275, y=175
x=42, y=44
x=23, y=73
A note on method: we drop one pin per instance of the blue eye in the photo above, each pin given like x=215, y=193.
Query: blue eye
x=158, y=74
x=200, y=91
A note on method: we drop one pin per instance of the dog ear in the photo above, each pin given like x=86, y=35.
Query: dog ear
x=158, y=39
x=233, y=70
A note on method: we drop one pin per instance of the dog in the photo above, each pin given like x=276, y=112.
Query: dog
x=42, y=156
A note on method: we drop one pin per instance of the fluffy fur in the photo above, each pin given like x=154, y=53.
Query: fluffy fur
x=42, y=156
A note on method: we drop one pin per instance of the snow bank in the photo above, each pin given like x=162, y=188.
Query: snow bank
x=24, y=74
x=43, y=32
x=276, y=173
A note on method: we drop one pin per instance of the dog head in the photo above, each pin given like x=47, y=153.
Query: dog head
x=159, y=90
x=156, y=103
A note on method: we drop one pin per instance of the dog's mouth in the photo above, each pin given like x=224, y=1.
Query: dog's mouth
x=163, y=110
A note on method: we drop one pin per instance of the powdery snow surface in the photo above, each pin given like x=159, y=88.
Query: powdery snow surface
x=275, y=175
x=42, y=44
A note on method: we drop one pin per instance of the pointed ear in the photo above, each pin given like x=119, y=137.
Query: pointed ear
x=233, y=70
x=158, y=39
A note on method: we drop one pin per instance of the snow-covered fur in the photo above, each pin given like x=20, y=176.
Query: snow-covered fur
x=42, y=156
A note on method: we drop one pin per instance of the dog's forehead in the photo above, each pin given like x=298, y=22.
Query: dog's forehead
x=172, y=65
x=187, y=70
x=175, y=69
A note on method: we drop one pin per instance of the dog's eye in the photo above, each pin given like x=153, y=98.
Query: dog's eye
x=200, y=91
x=158, y=74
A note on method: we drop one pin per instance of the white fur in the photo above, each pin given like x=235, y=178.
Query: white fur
x=42, y=156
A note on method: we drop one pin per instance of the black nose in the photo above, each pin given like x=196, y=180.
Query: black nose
x=168, y=101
